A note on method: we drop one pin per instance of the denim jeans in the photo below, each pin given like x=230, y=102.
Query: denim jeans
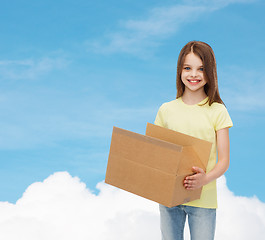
x=201, y=222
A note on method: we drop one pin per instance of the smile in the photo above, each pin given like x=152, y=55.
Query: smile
x=194, y=81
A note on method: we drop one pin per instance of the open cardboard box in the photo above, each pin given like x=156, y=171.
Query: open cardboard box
x=154, y=165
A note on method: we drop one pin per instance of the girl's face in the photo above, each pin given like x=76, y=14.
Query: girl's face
x=192, y=73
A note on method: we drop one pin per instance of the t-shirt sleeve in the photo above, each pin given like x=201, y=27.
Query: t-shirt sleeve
x=222, y=119
x=159, y=117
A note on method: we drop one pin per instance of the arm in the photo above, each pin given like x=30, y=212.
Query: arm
x=200, y=178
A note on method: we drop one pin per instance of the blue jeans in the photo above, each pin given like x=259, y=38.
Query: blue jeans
x=201, y=222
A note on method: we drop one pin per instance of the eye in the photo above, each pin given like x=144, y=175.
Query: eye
x=187, y=68
x=201, y=69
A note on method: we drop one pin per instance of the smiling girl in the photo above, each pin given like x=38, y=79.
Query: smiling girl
x=199, y=112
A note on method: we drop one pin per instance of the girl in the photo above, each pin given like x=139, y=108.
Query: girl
x=197, y=111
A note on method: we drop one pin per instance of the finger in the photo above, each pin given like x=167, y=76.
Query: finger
x=189, y=184
x=189, y=181
x=192, y=177
x=189, y=188
x=197, y=170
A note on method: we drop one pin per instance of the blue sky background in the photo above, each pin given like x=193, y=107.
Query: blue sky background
x=71, y=70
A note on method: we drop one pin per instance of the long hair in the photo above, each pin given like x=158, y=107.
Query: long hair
x=206, y=54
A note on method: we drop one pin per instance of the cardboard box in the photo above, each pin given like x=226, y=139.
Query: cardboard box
x=154, y=165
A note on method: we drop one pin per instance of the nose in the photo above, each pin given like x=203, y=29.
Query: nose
x=194, y=73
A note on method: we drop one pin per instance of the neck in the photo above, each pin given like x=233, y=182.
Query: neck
x=191, y=98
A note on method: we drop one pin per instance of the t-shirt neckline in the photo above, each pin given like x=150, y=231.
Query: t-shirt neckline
x=196, y=104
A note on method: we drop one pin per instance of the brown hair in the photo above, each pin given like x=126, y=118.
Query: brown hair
x=206, y=54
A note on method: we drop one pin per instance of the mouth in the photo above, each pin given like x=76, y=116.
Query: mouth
x=194, y=81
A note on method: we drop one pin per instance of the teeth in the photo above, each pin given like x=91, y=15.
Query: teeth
x=194, y=81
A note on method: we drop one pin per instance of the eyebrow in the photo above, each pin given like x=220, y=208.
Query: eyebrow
x=185, y=64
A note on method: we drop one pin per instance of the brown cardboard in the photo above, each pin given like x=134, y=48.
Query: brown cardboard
x=154, y=165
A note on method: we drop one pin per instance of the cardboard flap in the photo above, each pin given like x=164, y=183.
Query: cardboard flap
x=201, y=147
x=145, y=150
x=189, y=159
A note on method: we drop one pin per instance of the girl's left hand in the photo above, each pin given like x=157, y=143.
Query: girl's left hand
x=195, y=181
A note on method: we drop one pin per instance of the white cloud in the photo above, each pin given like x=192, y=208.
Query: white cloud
x=242, y=89
x=138, y=36
x=239, y=218
x=48, y=117
x=218, y=3
x=30, y=68
x=61, y=207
